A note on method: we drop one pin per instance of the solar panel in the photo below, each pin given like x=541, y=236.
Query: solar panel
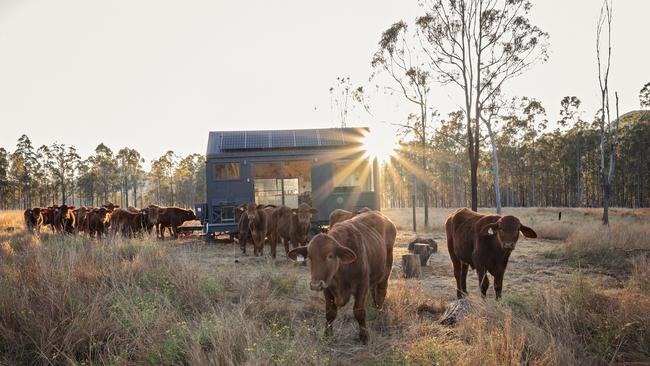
x=232, y=141
x=331, y=138
x=314, y=138
x=257, y=140
x=306, y=138
x=282, y=139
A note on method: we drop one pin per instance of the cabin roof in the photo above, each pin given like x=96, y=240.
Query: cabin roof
x=261, y=140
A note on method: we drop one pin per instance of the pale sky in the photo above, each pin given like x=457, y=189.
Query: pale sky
x=157, y=75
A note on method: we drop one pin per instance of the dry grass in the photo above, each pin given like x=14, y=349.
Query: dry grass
x=68, y=300
x=11, y=220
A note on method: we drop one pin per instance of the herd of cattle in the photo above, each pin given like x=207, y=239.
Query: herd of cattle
x=109, y=218
x=353, y=258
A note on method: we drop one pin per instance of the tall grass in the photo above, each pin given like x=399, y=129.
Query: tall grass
x=66, y=300
x=70, y=300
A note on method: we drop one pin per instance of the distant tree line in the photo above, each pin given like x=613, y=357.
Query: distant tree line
x=56, y=174
x=539, y=167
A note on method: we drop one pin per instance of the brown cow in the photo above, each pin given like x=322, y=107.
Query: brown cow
x=339, y=214
x=258, y=219
x=244, y=234
x=64, y=219
x=81, y=216
x=34, y=219
x=97, y=221
x=27, y=216
x=354, y=257
x=172, y=217
x=290, y=225
x=484, y=242
x=128, y=223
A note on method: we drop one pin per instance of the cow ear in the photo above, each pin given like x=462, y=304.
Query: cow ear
x=259, y=207
x=528, y=232
x=300, y=251
x=71, y=207
x=489, y=229
x=116, y=206
x=345, y=255
x=313, y=211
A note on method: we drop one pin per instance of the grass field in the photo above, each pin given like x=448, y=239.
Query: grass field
x=579, y=295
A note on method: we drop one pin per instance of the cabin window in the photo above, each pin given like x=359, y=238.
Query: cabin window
x=297, y=182
x=351, y=175
x=226, y=171
x=267, y=182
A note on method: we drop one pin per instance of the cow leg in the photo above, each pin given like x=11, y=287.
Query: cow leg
x=457, y=274
x=463, y=277
x=498, y=284
x=330, y=312
x=360, y=314
x=483, y=280
x=161, y=230
x=274, y=245
x=174, y=231
x=242, y=243
x=379, y=293
x=286, y=245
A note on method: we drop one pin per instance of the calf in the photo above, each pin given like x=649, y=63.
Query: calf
x=291, y=225
x=128, y=223
x=354, y=257
x=244, y=234
x=339, y=215
x=483, y=242
x=172, y=217
x=258, y=220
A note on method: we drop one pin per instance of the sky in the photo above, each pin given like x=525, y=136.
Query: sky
x=157, y=75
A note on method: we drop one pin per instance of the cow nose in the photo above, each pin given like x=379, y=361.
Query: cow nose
x=317, y=285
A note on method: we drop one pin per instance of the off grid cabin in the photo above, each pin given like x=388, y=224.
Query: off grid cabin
x=326, y=168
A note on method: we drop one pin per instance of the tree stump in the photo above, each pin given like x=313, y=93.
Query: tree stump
x=411, y=266
x=455, y=311
x=424, y=251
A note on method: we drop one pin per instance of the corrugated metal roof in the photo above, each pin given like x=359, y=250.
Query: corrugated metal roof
x=226, y=141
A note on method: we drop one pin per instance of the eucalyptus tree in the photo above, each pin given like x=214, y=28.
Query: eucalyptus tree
x=62, y=163
x=570, y=118
x=5, y=190
x=477, y=46
x=608, y=130
x=23, y=167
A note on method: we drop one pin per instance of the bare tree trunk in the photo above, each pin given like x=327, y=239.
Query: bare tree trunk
x=495, y=167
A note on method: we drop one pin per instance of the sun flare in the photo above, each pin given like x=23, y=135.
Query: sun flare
x=381, y=144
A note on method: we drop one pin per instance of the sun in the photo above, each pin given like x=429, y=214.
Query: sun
x=380, y=144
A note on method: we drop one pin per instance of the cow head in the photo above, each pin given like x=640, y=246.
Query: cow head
x=153, y=212
x=110, y=206
x=251, y=211
x=326, y=255
x=190, y=215
x=506, y=231
x=302, y=215
x=103, y=215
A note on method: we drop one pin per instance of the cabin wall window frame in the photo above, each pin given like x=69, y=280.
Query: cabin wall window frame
x=231, y=171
